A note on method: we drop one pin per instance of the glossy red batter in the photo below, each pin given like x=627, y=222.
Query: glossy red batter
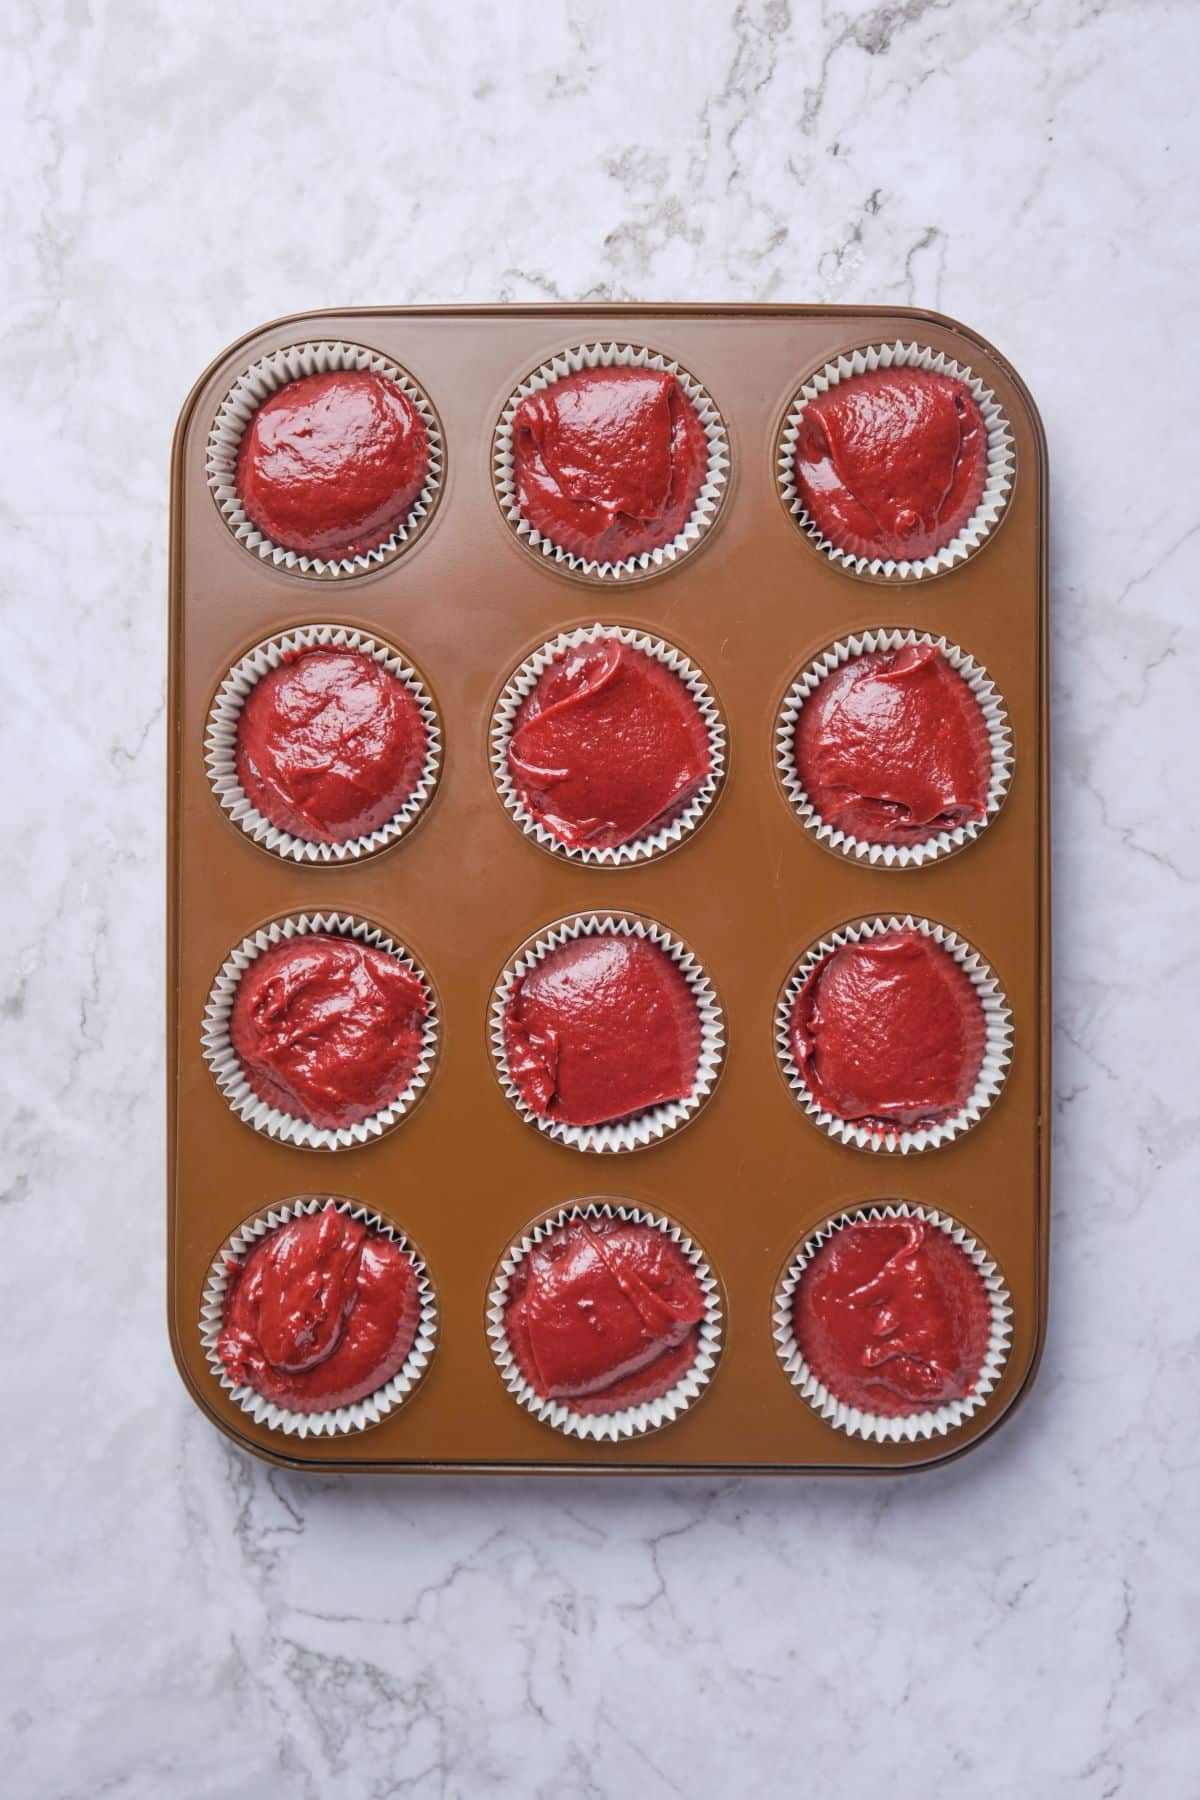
x=330, y=745
x=892, y=463
x=331, y=464
x=604, y=1315
x=321, y=1313
x=893, y=747
x=327, y=1029
x=608, y=747
x=889, y=1032
x=609, y=463
x=602, y=1028
x=893, y=1316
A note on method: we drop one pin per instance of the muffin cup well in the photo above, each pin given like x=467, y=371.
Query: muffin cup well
x=343, y=1419
x=631, y=1421
x=220, y=744
x=1000, y=459
x=876, y=1427
x=657, y=1122
x=940, y=844
x=708, y=501
x=522, y=683
x=997, y=1050
x=239, y=406
x=223, y=1061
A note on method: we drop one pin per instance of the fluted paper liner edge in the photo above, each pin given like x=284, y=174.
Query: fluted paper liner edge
x=998, y=480
x=938, y=844
x=657, y=1122
x=242, y=401
x=606, y=356
x=225, y=1066
x=631, y=1421
x=342, y=1420
x=220, y=744
x=521, y=684
x=877, y=1427
x=997, y=1049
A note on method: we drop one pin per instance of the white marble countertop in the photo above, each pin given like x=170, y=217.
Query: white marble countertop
x=179, y=1620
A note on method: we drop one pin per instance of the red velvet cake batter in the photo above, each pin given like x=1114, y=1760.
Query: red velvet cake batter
x=893, y=748
x=609, y=463
x=602, y=1028
x=889, y=1032
x=330, y=745
x=321, y=1313
x=892, y=463
x=331, y=464
x=608, y=747
x=604, y=1315
x=328, y=1029
x=893, y=1316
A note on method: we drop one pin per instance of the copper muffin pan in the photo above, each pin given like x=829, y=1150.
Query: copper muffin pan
x=749, y=891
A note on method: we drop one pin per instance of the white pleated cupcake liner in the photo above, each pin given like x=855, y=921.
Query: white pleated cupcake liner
x=341, y=1420
x=239, y=406
x=941, y=843
x=997, y=1050
x=878, y=1427
x=607, y=356
x=522, y=683
x=1000, y=459
x=226, y=1068
x=220, y=744
x=657, y=1122
x=630, y=1421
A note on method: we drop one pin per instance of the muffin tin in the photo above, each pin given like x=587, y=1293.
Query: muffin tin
x=752, y=603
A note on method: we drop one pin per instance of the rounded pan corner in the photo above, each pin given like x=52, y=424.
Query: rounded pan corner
x=947, y=322
x=288, y=320
x=993, y=1425
x=202, y=380
x=304, y=1465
